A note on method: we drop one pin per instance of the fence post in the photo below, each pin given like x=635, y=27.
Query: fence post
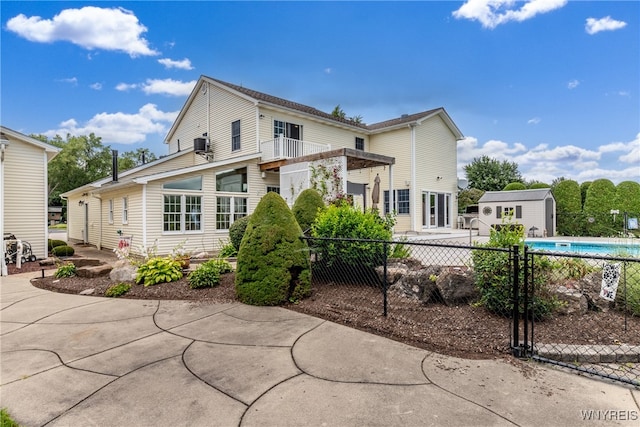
x=528, y=298
x=515, y=345
x=384, y=280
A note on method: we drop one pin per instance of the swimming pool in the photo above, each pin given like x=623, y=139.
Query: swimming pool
x=586, y=247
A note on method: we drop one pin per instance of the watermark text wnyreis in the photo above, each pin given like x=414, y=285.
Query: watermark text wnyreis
x=609, y=415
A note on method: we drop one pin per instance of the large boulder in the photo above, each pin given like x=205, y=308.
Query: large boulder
x=122, y=271
x=408, y=282
x=95, y=271
x=574, y=301
x=457, y=285
x=590, y=286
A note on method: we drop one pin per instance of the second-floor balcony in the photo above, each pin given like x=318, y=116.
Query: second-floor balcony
x=288, y=148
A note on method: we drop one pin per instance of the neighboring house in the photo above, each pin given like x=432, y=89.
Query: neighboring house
x=231, y=145
x=55, y=215
x=534, y=209
x=24, y=189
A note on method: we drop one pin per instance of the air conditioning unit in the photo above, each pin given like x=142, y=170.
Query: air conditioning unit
x=202, y=147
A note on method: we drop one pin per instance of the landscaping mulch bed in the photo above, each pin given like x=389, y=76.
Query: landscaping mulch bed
x=463, y=331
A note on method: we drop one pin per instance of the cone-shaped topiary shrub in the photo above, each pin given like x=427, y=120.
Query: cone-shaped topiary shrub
x=237, y=229
x=306, y=208
x=273, y=262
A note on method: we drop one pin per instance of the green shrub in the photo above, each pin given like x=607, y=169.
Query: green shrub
x=207, y=275
x=52, y=243
x=345, y=221
x=237, y=230
x=629, y=289
x=306, y=208
x=493, y=275
x=400, y=250
x=65, y=270
x=117, y=290
x=273, y=262
x=228, y=250
x=159, y=270
x=62, y=251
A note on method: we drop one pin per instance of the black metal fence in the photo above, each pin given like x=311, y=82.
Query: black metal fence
x=478, y=302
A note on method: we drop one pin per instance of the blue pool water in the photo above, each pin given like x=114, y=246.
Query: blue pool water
x=595, y=248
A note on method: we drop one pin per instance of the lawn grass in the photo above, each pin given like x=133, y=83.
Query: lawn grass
x=5, y=419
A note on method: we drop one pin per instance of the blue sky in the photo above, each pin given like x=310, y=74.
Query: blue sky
x=552, y=85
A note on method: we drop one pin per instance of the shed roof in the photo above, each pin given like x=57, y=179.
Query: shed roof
x=515, y=196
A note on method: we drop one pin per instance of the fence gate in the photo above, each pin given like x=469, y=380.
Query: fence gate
x=607, y=341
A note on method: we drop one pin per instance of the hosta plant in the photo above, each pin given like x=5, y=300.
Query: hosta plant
x=159, y=270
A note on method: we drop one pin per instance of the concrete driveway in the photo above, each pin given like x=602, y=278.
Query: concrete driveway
x=70, y=360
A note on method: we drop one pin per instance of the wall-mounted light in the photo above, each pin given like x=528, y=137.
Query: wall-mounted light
x=262, y=116
x=407, y=183
x=80, y=202
x=438, y=178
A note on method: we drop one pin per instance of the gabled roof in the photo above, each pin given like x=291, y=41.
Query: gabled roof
x=515, y=196
x=48, y=148
x=273, y=101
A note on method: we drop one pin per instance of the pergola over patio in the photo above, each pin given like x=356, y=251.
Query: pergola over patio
x=297, y=169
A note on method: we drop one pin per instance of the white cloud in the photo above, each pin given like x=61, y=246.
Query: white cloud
x=184, y=64
x=491, y=13
x=96, y=86
x=71, y=80
x=594, y=26
x=544, y=163
x=573, y=84
x=534, y=121
x=630, y=149
x=125, y=87
x=114, y=29
x=328, y=70
x=168, y=87
x=120, y=128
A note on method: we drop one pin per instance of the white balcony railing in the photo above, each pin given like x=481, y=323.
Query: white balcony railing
x=287, y=148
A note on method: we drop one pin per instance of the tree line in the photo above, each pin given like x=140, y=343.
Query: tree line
x=84, y=159
x=582, y=209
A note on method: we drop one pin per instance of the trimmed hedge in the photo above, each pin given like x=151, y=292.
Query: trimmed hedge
x=54, y=243
x=273, y=262
x=62, y=250
x=306, y=208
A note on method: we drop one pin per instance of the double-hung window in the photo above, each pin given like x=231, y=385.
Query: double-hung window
x=359, y=143
x=400, y=199
x=182, y=210
x=235, y=135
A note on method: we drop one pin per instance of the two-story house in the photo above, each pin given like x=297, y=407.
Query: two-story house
x=231, y=145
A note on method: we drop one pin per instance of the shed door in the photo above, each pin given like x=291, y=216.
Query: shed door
x=548, y=216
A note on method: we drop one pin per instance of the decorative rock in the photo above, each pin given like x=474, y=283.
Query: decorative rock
x=456, y=285
x=85, y=262
x=575, y=302
x=416, y=285
x=590, y=286
x=122, y=272
x=97, y=271
x=47, y=261
x=88, y=291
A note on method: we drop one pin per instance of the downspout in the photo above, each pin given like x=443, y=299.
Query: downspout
x=99, y=244
x=144, y=215
x=391, y=198
x=257, y=128
x=46, y=205
x=3, y=265
x=412, y=174
x=208, y=110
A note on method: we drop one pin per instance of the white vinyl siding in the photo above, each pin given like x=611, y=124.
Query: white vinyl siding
x=25, y=199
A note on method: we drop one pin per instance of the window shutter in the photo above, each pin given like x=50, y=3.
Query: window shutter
x=518, y=211
x=498, y=211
